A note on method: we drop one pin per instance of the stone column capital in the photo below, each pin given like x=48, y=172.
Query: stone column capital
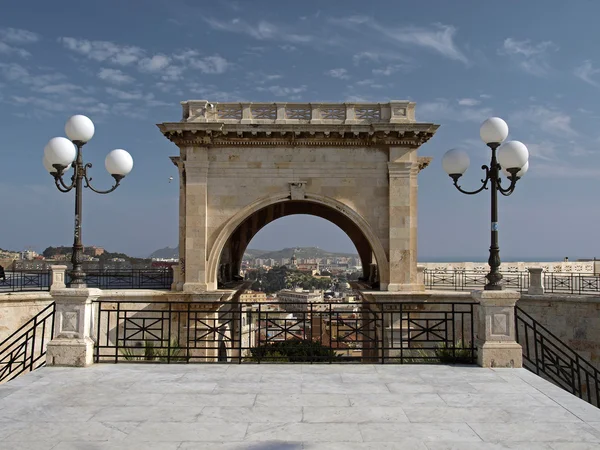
x=496, y=298
x=402, y=169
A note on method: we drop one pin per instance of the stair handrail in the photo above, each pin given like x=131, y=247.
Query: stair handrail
x=591, y=374
x=7, y=346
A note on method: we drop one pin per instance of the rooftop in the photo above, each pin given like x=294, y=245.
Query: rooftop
x=291, y=407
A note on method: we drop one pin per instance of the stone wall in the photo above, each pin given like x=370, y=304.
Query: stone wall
x=572, y=318
x=18, y=308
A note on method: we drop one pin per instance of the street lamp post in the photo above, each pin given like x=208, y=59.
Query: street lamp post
x=59, y=155
x=512, y=159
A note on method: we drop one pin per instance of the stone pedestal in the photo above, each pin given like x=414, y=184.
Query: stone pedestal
x=73, y=328
x=536, y=281
x=495, y=341
x=58, y=277
x=177, y=284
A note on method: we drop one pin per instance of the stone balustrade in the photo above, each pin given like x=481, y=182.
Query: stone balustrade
x=299, y=113
x=548, y=266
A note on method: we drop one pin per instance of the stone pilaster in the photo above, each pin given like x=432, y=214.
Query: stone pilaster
x=58, y=277
x=495, y=341
x=536, y=281
x=73, y=328
x=195, y=248
x=403, y=226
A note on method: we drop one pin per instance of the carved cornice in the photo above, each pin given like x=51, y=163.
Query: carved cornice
x=286, y=135
x=424, y=161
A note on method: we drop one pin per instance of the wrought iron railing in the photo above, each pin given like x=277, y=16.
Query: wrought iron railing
x=185, y=332
x=571, y=283
x=550, y=358
x=25, y=349
x=25, y=280
x=466, y=280
x=130, y=279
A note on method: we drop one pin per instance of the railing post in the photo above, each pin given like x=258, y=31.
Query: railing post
x=421, y=275
x=176, y=285
x=496, y=335
x=72, y=345
x=58, y=280
x=536, y=281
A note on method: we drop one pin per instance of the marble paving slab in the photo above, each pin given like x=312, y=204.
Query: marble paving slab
x=291, y=407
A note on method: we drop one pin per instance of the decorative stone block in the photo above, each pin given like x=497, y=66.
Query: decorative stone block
x=495, y=340
x=536, y=281
x=58, y=277
x=73, y=344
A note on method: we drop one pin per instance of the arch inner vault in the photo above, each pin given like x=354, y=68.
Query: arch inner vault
x=244, y=165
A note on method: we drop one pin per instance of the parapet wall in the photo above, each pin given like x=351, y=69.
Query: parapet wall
x=556, y=266
x=574, y=319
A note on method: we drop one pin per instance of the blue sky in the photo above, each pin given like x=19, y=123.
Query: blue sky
x=128, y=64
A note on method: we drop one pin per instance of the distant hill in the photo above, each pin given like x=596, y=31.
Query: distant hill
x=166, y=252
x=301, y=253
x=251, y=253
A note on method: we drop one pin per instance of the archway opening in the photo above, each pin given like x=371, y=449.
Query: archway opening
x=231, y=257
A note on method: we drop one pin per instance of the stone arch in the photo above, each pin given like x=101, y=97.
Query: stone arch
x=352, y=223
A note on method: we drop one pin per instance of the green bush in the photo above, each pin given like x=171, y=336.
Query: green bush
x=462, y=353
x=293, y=350
x=147, y=352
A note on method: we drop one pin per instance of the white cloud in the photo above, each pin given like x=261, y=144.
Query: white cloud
x=18, y=36
x=186, y=55
x=210, y=64
x=530, y=57
x=546, y=150
x=586, y=72
x=114, y=76
x=366, y=56
x=288, y=48
x=280, y=91
x=340, y=73
x=392, y=68
x=442, y=109
x=172, y=73
x=439, y=38
x=468, y=102
x=60, y=89
x=563, y=170
x=104, y=50
x=7, y=49
x=548, y=120
x=154, y=64
x=128, y=96
x=18, y=73
x=262, y=31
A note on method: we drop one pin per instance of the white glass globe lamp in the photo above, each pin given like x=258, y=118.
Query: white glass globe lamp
x=512, y=155
x=118, y=163
x=455, y=162
x=79, y=128
x=493, y=130
x=60, y=151
x=520, y=173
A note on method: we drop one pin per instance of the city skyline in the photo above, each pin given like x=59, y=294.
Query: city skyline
x=538, y=70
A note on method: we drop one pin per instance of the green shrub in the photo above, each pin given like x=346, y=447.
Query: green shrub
x=462, y=353
x=147, y=352
x=293, y=350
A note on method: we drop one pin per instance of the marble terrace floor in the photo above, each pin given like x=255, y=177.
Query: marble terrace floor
x=291, y=407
